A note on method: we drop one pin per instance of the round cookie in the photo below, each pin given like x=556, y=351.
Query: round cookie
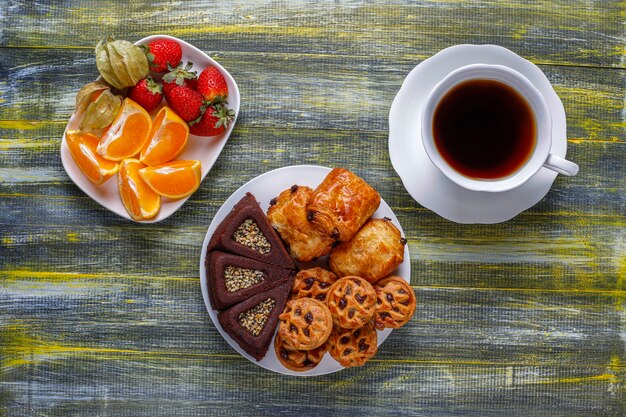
x=353, y=347
x=351, y=301
x=305, y=323
x=395, y=303
x=313, y=283
x=298, y=360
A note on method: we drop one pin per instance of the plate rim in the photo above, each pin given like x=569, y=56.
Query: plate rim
x=67, y=159
x=225, y=208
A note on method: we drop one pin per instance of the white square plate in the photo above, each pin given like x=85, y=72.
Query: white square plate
x=205, y=149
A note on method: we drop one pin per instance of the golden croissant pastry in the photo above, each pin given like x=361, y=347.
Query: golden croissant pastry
x=287, y=214
x=374, y=252
x=341, y=204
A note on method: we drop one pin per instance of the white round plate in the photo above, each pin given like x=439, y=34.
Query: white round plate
x=264, y=188
x=426, y=184
x=205, y=149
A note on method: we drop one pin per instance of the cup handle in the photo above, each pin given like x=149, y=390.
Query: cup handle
x=561, y=165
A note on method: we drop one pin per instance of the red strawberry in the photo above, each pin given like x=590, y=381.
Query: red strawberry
x=187, y=103
x=214, y=121
x=163, y=52
x=212, y=85
x=147, y=93
x=179, y=76
x=168, y=87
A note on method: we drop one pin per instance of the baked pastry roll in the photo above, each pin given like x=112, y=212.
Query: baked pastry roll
x=395, y=303
x=374, y=252
x=298, y=360
x=287, y=214
x=353, y=347
x=341, y=204
x=305, y=324
x=352, y=302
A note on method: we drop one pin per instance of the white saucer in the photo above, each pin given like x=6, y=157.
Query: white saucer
x=205, y=149
x=426, y=184
x=264, y=188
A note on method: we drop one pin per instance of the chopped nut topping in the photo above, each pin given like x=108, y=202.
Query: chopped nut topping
x=237, y=278
x=249, y=234
x=254, y=319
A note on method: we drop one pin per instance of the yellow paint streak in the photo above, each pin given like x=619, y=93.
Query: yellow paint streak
x=72, y=276
x=60, y=197
x=8, y=240
x=18, y=349
x=28, y=143
x=612, y=139
x=589, y=95
x=616, y=362
x=621, y=283
x=518, y=33
x=604, y=377
x=72, y=237
x=23, y=124
x=130, y=301
x=294, y=31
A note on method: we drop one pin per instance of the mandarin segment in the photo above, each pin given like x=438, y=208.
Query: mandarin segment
x=176, y=179
x=127, y=134
x=82, y=147
x=168, y=137
x=138, y=198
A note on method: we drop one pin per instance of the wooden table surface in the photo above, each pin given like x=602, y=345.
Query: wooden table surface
x=100, y=316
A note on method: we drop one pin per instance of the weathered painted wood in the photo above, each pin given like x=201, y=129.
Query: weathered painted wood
x=101, y=316
x=38, y=89
x=564, y=32
x=160, y=314
x=116, y=384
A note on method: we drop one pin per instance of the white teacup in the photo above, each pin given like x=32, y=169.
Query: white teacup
x=539, y=157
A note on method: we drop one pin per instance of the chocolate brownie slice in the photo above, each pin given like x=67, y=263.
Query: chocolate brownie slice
x=233, y=278
x=252, y=323
x=246, y=231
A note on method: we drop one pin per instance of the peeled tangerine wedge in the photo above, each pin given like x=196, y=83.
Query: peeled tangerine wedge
x=127, y=134
x=139, y=200
x=83, y=149
x=176, y=179
x=167, y=138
